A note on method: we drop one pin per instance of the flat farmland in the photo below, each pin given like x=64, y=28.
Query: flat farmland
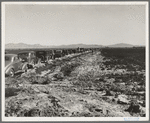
x=110, y=82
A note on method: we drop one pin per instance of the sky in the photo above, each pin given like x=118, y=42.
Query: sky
x=74, y=24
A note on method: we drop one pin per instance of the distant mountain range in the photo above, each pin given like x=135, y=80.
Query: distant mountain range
x=24, y=46
x=121, y=45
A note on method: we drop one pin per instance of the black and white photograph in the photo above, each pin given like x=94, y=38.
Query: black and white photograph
x=75, y=61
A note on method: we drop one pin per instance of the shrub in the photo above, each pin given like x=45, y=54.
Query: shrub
x=39, y=79
x=11, y=91
x=67, y=68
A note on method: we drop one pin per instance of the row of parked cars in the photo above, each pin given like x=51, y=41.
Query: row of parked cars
x=25, y=59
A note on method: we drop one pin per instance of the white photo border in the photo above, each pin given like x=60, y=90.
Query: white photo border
x=73, y=118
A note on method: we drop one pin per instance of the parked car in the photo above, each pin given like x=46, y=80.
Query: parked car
x=58, y=53
x=74, y=51
x=65, y=52
x=69, y=51
x=28, y=56
x=82, y=50
x=41, y=56
x=50, y=54
x=13, y=64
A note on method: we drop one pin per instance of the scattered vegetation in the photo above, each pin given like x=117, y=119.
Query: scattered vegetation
x=133, y=59
x=67, y=68
x=95, y=81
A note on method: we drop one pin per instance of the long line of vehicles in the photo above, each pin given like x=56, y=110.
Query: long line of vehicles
x=23, y=60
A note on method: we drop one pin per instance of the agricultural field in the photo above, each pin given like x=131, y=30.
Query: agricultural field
x=109, y=82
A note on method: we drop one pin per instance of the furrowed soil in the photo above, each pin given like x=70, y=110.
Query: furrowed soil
x=87, y=85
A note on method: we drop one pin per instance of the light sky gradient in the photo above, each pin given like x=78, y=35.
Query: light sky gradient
x=73, y=24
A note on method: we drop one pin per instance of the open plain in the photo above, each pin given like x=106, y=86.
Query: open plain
x=109, y=82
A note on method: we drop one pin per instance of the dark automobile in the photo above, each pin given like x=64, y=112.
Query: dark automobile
x=41, y=56
x=28, y=56
x=82, y=50
x=50, y=54
x=13, y=64
x=69, y=51
x=58, y=53
x=64, y=52
x=74, y=51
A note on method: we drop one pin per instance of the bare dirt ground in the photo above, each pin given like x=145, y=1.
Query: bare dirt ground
x=74, y=86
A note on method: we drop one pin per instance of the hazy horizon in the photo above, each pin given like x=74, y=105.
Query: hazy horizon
x=75, y=24
x=73, y=44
